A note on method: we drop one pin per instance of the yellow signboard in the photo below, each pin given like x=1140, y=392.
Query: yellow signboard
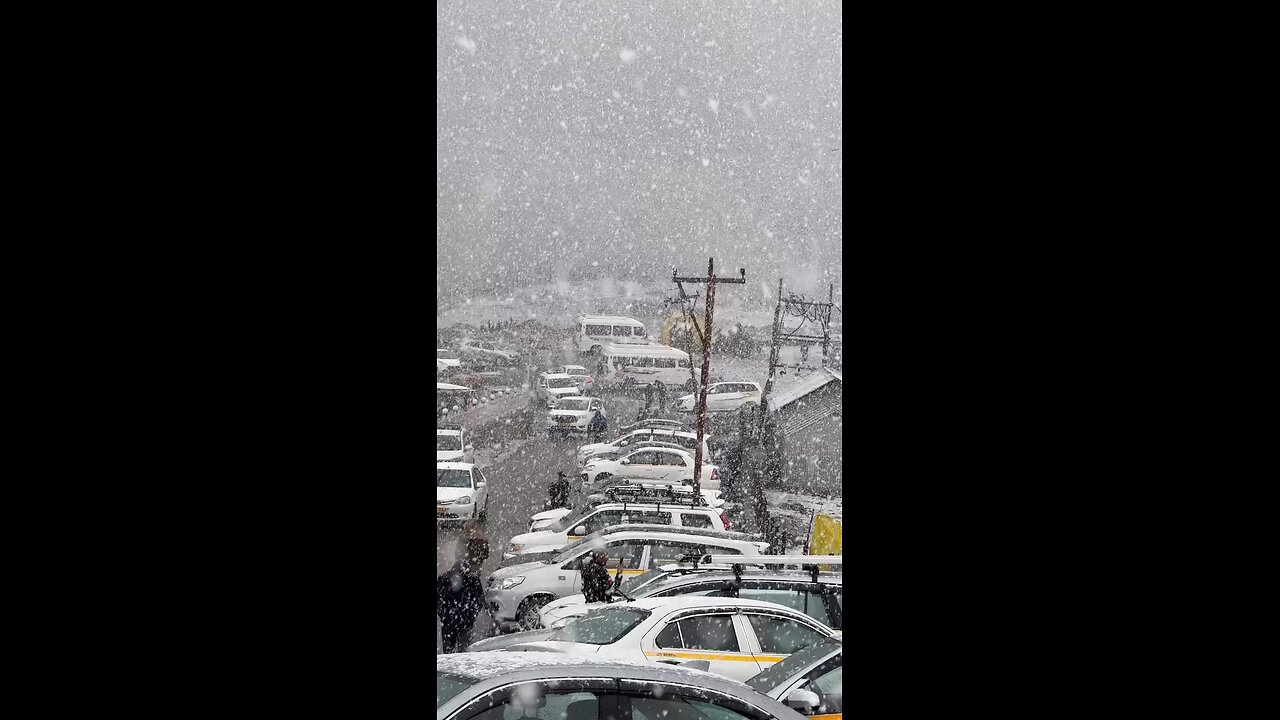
x=827, y=535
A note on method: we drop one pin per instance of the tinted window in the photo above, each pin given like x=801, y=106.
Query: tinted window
x=829, y=684
x=603, y=626
x=668, y=552
x=674, y=707
x=602, y=519
x=695, y=521
x=625, y=556
x=559, y=705
x=682, y=362
x=647, y=517
x=668, y=638
x=620, y=330
x=709, y=632
x=638, y=332
x=783, y=636
x=597, y=329
x=642, y=458
x=800, y=599
x=449, y=685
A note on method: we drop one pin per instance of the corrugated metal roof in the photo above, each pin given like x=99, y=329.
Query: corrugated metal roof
x=804, y=387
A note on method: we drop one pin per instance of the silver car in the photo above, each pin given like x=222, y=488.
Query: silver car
x=491, y=685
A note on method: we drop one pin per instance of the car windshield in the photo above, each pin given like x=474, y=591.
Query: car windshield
x=573, y=404
x=776, y=674
x=631, y=584
x=602, y=627
x=569, y=520
x=448, y=442
x=560, y=382
x=453, y=478
x=448, y=686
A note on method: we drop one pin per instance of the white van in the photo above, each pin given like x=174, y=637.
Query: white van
x=596, y=331
x=641, y=365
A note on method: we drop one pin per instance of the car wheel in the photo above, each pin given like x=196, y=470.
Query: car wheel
x=482, y=514
x=527, y=615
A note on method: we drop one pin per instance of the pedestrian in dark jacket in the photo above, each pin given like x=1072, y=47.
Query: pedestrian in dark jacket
x=662, y=396
x=648, y=396
x=559, y=492
x=459, y=600
x=595, y=579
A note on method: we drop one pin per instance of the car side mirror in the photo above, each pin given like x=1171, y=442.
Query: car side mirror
x=469, y=447
x=801, y=699
x=479, y=485
x=580, y=530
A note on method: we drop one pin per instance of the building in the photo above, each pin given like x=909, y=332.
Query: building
x=809, y=416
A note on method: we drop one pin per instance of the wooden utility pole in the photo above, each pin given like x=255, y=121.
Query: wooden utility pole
x=807, y=310
x=711, y=280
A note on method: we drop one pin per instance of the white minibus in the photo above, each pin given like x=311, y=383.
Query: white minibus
x=596, y=331
x=642, y=364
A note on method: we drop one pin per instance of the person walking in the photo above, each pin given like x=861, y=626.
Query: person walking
x=460, y=598
x=648, y=396
x=595, y=578
x=559, y=491
x=662, y=397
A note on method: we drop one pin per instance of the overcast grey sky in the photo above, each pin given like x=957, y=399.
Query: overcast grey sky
x=638, y=135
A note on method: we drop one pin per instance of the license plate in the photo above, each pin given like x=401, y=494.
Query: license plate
x=439, y=511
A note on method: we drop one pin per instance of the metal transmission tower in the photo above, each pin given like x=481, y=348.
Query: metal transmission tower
x=706, y=336
x=807, y=310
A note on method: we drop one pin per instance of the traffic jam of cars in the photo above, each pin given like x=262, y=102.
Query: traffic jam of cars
x=691, y=605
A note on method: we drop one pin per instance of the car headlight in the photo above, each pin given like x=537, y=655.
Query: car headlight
x=464, y=500
x=515, y=547
x=511, y=582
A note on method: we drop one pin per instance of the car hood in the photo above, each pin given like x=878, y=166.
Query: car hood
x=502, y=642
x=569, y=609
x=570, y=413
x=550, y=514
x=451, y=493
x=559, y=646
x=449, y=455
x=541, y=537
x=682, y=398
x=502, y=573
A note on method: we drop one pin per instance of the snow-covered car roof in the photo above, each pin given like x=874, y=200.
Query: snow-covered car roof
x=454, y=466
x=634, y=527
x=490, y=670
x=697, y=602
x=448, y=431
x=447, y=386
x=573, y=367
x=556, y=376
x=611, y=319
x=583, y=397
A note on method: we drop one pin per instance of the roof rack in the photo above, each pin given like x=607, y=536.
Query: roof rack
x=727, y=534
x=448, y=425
x=806, y=562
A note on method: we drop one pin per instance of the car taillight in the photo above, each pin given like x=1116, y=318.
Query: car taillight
x=589, y=380
x=715, y=473
x=725, y=520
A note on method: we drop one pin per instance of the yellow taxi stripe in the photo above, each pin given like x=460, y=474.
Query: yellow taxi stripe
x=715, y=656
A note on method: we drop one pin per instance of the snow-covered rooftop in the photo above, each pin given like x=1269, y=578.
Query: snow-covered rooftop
x=802, y=388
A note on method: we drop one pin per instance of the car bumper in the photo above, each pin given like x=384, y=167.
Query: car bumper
x=455, y=513
x=503, y=603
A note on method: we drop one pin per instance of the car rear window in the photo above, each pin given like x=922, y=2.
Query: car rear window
x=601, y=627
x=448, y=686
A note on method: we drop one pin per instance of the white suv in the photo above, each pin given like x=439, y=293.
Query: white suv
x=486, y=349
x=651, y=463
x=451, y=445
x=577, y=525
x=553, y=386
x=687, y=440
x=723, y=397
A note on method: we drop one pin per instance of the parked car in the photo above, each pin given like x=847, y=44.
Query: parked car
x=723, y=397
x=819, y=596
x=656, y=424
x=452, y=445
x=573, y=414
x=494, y=685
x=810, y=682
x=627, y=442
x=618, y=489
x=552, y=387
x=485, y=350
x=578, y=525
x=655, y=463
x=516, y=592
x=461, y=492
x=738, y=637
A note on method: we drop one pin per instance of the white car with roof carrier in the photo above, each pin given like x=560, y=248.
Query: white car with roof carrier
x=626, y=442
x=618, y=489
x=738, y=637
x=577, y=414
x=817, y=594
x=723, y=397
x=496, y=685
x=515, y=592
x=452, y=445
x=596, y=331
x=485, y=350
x=552, y=387
x=652, y=463
x=578, y=525
x=461, y=492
